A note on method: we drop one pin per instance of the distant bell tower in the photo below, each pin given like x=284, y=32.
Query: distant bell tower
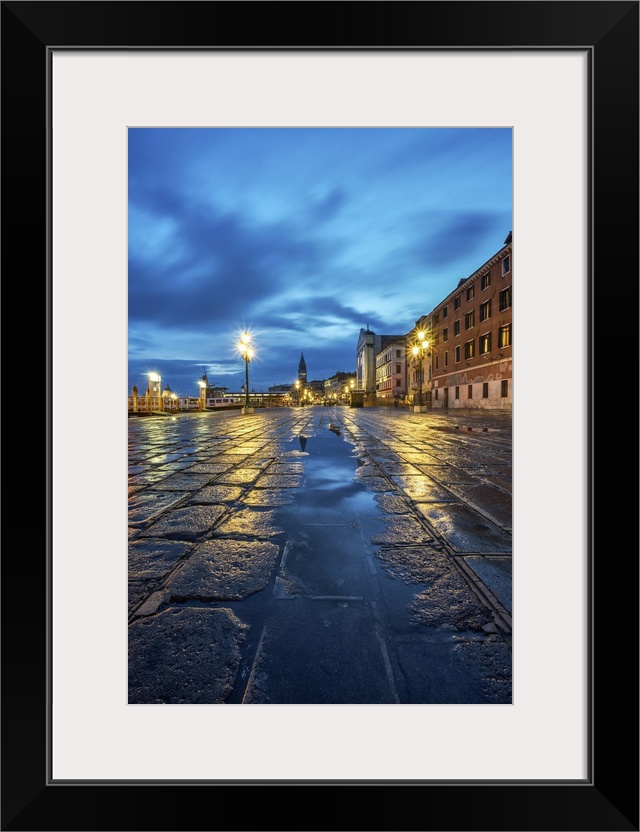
x=302, y=371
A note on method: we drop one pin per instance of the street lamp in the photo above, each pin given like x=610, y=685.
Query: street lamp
x=155, y=380
x=246, y=351
x=297, y=391
x=419, y=349
x=202, y=397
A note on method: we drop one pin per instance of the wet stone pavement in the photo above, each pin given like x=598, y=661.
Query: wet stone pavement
x=320, y=556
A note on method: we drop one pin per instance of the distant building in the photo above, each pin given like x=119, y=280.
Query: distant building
x=369, y=346
x=334, y=386
x=316, y=388
x=391, y=370
x=302, y=372
x=470, y=360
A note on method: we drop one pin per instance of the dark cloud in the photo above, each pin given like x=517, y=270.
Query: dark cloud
x=219, y=266
x=330, y=206
x=319, y=308
x=452, y=239
x=446, y=149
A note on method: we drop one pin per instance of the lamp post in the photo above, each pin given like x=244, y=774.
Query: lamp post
x=245, y=349
x=202, y=397
x=297, y=391
x=419, y=349
x=155, y=390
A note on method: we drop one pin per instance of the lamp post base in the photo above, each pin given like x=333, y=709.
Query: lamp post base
x=246, y=410
x=419, y=408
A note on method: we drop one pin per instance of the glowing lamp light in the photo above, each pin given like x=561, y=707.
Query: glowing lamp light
x=247, y=352
x=418, y=350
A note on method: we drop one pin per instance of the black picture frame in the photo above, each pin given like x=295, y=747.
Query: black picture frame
x=608, y=798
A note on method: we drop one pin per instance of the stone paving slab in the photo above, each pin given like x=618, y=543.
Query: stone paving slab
x=188, y=523
x=224, y=570
x=447, y=604
x=240, y=476
x=154, y=558
x=183, y=482
x=324, y=560
x=184, y=656
x=172, y=467
x=400, y=529
x=504, y=481
x=146, y=479
x=269, y=497
x=495, y=572
x=279, y=481
x=424, y=489
x=393, y=503
x=320, y=652
x=209, y=468
x=290, y=468
x=464, y=530
x=212, y=494
x=447, y=669
x=144, y=506
x=252, y=522
x=373, y=483
x=492, y=501
x=161, y=459
x=136, y=592
x=446, y=473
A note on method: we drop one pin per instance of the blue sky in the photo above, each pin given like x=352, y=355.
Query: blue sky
x=303, y=236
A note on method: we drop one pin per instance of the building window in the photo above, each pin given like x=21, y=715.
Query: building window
x=469, y=349
x=437, y=362
x=398, y=368
x=470, y=292
x=456, y=302
x=506, y=265
x=397, y=382
x=456, y=327
x=445, y=333
x=485, y=390
x=504, y=388
x=485, y=343
x=485, y=310
x=436, y=394
x=485, y=280
x=457, y=355
x=470, y=391
x=504, y=336
x=505, y=298
x=445, y=312
x=470, y=319
x=398, y=353
x=436, y=320
x=457, y=392
x=446, y=359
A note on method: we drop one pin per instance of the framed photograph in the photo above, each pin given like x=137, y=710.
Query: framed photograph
x=563, y=79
